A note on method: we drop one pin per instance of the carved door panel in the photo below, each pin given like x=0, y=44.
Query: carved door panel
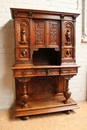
x=53, y=34
x=22, y=47
x=38, y=33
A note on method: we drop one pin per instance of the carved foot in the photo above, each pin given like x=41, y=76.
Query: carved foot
x=67, y=95
x=24, y=118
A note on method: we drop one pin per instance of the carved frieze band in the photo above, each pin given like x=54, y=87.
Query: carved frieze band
x=23, y=62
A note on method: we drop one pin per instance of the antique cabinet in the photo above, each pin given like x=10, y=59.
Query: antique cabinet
x=44, y=61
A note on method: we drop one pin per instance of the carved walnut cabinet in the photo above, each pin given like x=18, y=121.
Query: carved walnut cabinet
x=44, y=61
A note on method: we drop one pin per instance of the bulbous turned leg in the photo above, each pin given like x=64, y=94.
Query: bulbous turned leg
x=25, y=98
x=67, y=95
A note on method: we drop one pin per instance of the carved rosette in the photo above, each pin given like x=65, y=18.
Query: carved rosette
x=25, y=96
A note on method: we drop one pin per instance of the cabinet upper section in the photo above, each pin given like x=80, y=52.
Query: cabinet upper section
x=44, y=36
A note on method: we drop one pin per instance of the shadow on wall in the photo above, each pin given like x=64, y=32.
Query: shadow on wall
x=6, y=62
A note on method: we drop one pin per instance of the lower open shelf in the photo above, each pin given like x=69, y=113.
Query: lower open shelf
x=43, y=106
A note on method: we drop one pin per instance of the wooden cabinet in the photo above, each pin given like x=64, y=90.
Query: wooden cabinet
x=44, y=61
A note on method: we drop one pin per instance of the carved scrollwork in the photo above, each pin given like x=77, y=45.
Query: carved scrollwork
x=23, y=79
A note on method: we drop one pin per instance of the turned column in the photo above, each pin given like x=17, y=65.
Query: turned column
x=67, y=93
x=25, y=96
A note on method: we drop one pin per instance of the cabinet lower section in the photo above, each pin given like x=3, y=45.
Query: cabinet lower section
x=41, y=90
x=45, y=106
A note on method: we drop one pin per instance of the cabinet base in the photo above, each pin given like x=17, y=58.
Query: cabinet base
x=43, y=106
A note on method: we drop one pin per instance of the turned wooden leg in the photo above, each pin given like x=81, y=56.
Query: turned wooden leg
x=66, y=93
x=25, y=97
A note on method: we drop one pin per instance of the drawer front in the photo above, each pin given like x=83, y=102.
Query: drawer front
x=40, y=72
x=53, y=72
x=65, y=71
x=24, y=73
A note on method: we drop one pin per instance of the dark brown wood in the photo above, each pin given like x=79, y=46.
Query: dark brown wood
x=44, y=61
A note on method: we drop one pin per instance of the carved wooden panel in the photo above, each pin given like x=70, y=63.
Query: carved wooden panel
x=22, y=53
x=53, y=34
x=23, y=32
x=68, y=34
x=43, y=85
x=39, y=33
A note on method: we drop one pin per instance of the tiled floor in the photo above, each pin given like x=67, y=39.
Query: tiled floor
x=76, y=120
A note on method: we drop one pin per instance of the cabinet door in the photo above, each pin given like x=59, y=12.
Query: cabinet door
x=38, y=33
x=53, y=34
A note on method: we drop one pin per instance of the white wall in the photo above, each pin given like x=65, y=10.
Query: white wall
x=7, y=89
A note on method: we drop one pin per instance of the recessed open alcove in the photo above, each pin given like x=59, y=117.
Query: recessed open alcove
x=46, y=56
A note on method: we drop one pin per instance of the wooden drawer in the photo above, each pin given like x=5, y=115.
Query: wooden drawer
x=53, y=72
x=65, y=71
x=40, y=72
x=24, y=73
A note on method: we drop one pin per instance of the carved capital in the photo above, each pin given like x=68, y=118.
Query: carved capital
x=67, y=77
x=23, y=79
